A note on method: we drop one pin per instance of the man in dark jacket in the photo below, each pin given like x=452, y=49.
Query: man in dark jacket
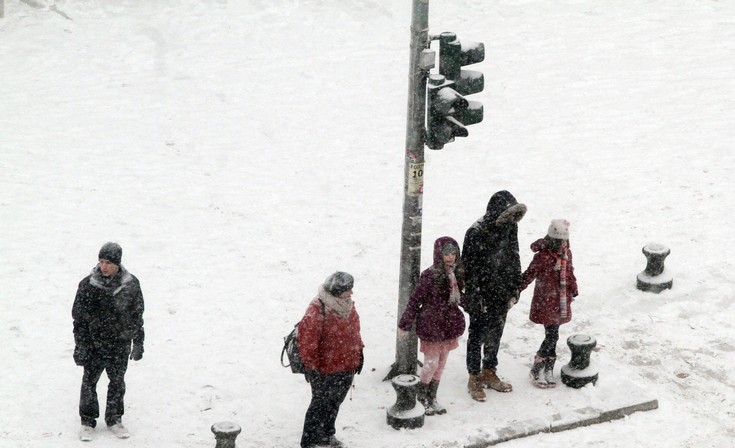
x=493, y=276
x=108, y=315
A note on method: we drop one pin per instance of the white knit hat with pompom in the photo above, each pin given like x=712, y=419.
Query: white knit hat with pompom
x=559, y=229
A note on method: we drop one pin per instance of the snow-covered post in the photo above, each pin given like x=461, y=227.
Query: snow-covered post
x=655, y=278
x=225, y=433
x=580, y=370
x=413, y=187
x=407, y=412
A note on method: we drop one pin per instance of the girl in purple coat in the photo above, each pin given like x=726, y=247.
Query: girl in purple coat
x=556, y=286
x=434, y=305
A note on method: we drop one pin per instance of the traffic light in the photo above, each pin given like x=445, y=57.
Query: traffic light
x=453, y=55
x=447, y=111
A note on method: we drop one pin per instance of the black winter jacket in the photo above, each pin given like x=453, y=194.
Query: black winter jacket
x=108, y=314
x=490, y=256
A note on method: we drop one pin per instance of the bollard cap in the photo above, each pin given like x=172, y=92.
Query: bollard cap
x=405, y=380
x=226, y=428
x=581, y=340
x=656, y=248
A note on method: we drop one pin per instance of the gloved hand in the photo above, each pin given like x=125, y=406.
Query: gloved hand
x=513, y=300
x=137, y=353
x=362, y=362
x=403, y=334
x=310, y=374
x=81, y=355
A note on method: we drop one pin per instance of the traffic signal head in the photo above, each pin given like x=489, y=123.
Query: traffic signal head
x=447, y=112
x=453, y=55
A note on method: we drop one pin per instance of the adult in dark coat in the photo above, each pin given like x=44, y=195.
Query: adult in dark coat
x=108, y=316
x=493, y=276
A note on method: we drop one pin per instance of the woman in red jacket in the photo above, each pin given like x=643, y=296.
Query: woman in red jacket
x=556, y=287
x=330, y=346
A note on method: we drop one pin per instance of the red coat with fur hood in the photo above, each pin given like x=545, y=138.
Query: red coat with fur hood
x=545, y=307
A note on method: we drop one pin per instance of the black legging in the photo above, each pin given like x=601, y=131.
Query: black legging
x=548, y=347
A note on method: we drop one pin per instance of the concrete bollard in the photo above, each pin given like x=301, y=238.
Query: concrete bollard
x=580, y=371
x=407, y=412
x=655, y=278
x=225, y=433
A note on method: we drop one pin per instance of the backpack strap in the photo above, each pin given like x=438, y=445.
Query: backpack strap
x=290, y=337
x=324, y=320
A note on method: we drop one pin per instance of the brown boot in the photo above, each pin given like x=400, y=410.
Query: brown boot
x=490, y=379
x=474, y=386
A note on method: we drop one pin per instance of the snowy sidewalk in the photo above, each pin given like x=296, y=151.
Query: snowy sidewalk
x=571, y=408
x=524, y=412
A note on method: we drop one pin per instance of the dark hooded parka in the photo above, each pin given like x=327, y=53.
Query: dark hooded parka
x=491, y=257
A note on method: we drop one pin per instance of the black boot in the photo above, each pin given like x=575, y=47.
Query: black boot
x=535, y=374
x=433, y=388
x=422, y=395
x=549, y=371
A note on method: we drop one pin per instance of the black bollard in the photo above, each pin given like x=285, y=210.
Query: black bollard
x=407, y=412
x=225, y=433
x=580, y=371
x=655, y=278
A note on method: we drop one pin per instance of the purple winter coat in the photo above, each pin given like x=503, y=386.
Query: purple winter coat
x=436, y=319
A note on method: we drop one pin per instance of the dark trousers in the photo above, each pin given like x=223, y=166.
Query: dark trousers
x=548, y=347
x=89, y=408
x=485, y=332
x=327, y=394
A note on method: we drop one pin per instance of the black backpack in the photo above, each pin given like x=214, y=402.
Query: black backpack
x=291, y=348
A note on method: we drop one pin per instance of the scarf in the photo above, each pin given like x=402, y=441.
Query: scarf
x=343, y=307
x=113, y=284
x=454, y=295
x=561, y=266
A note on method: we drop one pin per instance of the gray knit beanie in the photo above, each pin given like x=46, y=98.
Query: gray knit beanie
x=339, y=282
x=111, y=252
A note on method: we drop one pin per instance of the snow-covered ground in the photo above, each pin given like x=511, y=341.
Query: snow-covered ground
x=241, y=151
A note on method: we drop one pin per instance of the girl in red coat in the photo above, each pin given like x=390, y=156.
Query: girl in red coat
x=556, y=286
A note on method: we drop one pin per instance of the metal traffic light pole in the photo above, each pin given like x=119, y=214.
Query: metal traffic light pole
x=421, y=60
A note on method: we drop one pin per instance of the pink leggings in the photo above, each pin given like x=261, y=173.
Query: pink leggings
x=435, y=358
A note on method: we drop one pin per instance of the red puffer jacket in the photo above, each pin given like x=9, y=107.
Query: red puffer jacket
x=327, y=342
x=545, y=307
